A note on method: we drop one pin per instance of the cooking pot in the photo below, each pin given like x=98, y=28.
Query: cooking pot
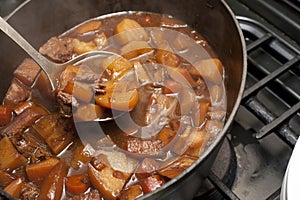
x=38, y=20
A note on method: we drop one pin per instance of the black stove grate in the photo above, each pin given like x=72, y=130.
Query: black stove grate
x=284, y=14
x=272, y=93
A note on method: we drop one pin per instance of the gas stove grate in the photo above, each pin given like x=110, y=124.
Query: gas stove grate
x=272, y=95
x=273, y=73
x=284, y=14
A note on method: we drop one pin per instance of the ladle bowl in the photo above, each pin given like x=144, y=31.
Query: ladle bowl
x=51, y=69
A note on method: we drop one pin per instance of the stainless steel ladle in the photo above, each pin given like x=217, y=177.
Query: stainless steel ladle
x=51, y=69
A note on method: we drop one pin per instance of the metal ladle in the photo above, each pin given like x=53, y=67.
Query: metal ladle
x=51, y=69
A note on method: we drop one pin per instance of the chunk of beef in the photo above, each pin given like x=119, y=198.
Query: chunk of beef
x=30, y=147
x=30, y=191
x=27, y=71
x=24, y=120
x=137, y=145
x=152, y=183
x=65, y=102
x=58, y=49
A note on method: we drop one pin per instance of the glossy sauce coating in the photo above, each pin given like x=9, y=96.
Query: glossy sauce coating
x=167, y=84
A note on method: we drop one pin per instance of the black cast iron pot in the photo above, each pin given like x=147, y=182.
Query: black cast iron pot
x=38, y=20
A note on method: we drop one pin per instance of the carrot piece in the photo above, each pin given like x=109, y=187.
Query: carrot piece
x=77, y=184
x=39, y=170
x=118, y=66
x=5, y=115
x=118, y=100
x=14, y=188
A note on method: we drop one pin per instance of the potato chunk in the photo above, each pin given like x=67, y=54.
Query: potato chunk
x=134, y=49
x=209, y=69
x=56, y=132
x=83, y=47
x=10, y=157
x=109, y=171
x=105, y=177
x=129, y=30
x=174, y=168
x=52, y=186
x=88, y=112
x=131, y=193
x=165, y=56
x=118, y=66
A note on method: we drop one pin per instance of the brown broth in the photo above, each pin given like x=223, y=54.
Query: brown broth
x=179, y=133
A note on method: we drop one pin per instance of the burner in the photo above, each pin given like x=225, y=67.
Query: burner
x=224, y=168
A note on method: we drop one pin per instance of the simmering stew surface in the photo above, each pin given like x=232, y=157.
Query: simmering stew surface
x=164, y=87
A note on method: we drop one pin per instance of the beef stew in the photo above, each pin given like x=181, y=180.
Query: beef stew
x=173, y=95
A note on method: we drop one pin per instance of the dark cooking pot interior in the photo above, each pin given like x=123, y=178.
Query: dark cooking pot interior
x=39, y=20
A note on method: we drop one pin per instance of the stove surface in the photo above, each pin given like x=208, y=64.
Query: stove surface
x=265, y=128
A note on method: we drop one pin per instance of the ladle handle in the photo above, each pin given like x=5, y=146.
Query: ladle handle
x=15, y=36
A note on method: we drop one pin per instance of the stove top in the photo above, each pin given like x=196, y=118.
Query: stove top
x=266, y=126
